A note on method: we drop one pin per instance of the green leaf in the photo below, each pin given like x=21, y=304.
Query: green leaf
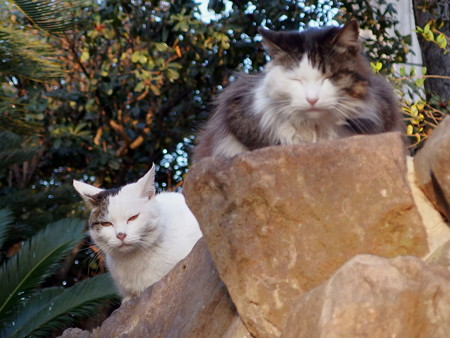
x=37, y=259
x=142, y=59
x=160, y=46
x=139, y=87
x=376, y=66
x=441, y=40
x=49, y=309
x=24, y=55
x=172, y=74
x=12, y=151
x=84, y=56
x=409, y=130
x=53, y=16
x=419, y=82
x=428, y=35
x=135, y=57
x=5, y=221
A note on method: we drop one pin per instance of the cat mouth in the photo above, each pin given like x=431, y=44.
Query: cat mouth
x=315, y=113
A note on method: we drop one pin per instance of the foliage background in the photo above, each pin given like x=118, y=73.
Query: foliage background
x=127, y=83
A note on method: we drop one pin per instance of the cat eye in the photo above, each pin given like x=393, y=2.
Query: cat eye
x=105, y=224
x=132, y=218
x=297, y=80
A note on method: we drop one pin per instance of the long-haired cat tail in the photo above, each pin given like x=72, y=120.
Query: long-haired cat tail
x=317, y=86
x=142, y=234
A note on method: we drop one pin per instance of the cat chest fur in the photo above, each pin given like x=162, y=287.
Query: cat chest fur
x=133, y=272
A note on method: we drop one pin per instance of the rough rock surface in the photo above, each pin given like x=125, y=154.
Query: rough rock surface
x=435, y=157
x=279, y=221
x=190, y=301
x=376, y=297
x=441, y=255
x=438, y=230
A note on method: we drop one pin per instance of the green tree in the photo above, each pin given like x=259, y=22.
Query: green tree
x=113, y=86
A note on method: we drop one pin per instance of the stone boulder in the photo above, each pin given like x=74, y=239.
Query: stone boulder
x=376, y=297
x=191, y=301
x=432, y=167
x=438, y=231
x=279, y=221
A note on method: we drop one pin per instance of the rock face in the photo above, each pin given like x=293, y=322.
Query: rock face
x=279, y=221
x=376, y=297
x=315, y=240
x=182, y=304
x=434, y=158
x=438, y=231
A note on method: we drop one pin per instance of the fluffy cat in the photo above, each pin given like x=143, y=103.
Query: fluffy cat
x=143, y=235
x=317, y=86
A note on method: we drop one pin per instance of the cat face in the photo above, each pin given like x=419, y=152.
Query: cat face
x=304, y=87
x=316, y=73
x=122, y=220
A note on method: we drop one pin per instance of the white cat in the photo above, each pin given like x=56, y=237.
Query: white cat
x=143, y=235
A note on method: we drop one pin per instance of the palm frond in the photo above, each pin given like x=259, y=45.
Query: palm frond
x=56, y=308
x=5, y=221
x=11, y=150
x=15, y=123
x=53, y=16
x=23, y=55
x=38, y=258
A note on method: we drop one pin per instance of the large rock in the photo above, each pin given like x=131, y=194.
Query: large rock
x=438, y=231
x=434, y=158
x=376, y=297
x=191, y=301
x=280, y=220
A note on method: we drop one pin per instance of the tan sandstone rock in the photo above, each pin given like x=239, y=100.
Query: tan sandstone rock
x=438, y=230
x=190, y=301
x=435, y=157
x=376, y=297
x=279, y=221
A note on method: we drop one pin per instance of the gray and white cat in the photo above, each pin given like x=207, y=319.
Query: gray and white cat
x=317, y=86
x=143, y=235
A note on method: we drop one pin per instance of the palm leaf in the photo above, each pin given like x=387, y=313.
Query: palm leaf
x=53, y=16
x=15, y=123
x=56, y=308
x=37, y=259
x=11, y=150
x=5, y=221
x=21, y=54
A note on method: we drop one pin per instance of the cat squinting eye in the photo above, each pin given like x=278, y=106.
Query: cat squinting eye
x=105, y=224
x=297, y=80
x=132, y=218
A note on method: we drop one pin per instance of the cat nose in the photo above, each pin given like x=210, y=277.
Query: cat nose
x=121, y=236
x=312, y=100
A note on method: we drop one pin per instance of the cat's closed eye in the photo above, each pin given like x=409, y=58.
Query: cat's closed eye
x=132, y=218
x=296, y=79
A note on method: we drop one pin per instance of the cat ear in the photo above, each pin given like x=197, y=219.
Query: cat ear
x=87, y=192
x=146, y=184
x=348, y=36
x=271, y=41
